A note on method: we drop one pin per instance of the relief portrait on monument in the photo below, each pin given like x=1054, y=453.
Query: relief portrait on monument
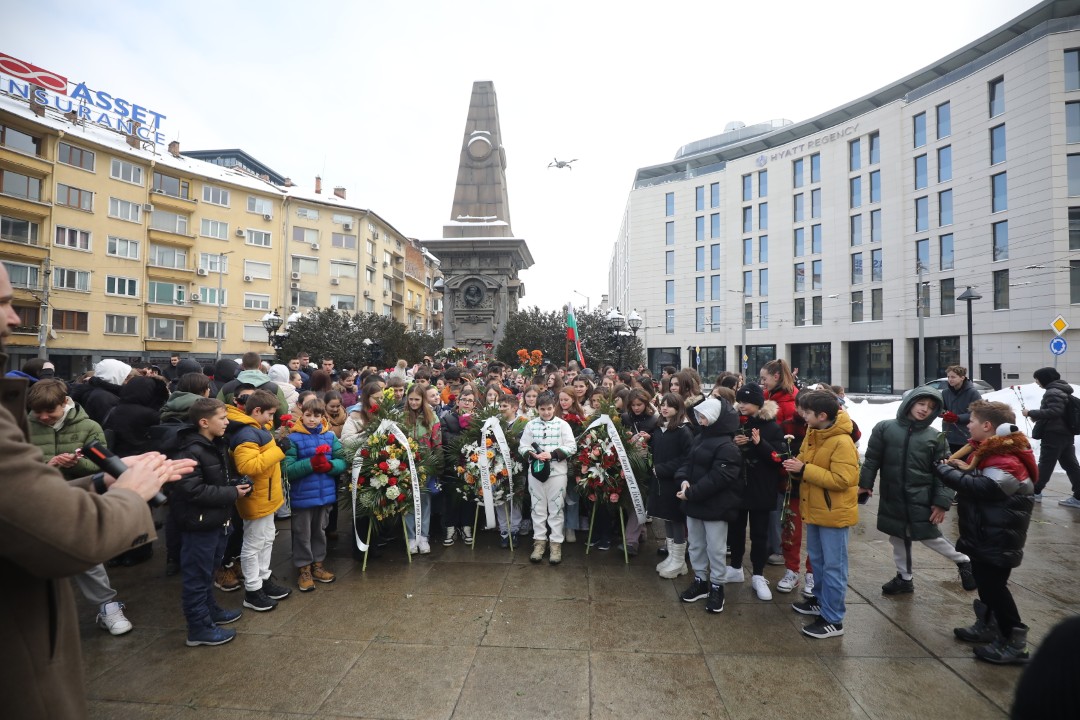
x=473, y=295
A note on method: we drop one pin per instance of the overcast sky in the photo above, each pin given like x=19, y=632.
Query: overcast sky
x=373, y=95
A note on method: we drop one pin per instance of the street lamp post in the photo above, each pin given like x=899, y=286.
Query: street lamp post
x=635, y=322
x=922, y=290
x=271, y=322
x=616, y=322
x=967, y=296
x=587, y=308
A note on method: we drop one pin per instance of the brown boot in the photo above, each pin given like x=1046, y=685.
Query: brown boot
x=318, y=572
x=304, y=582
x=555, y=556
x=225, y=579
x=538, y=551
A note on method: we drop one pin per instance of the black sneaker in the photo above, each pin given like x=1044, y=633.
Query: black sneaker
x=967, y=577
x=807, y=607
x=822, y=628
x=258, y=601
x=274, y=591
x=898, y=586
x=698, y=590
x=715, y=603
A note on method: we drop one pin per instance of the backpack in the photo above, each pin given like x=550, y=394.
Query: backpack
x=165, y=437
x=1072, y=415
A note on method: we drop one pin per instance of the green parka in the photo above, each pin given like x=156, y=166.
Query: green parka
x=905, y=452
x=77, y=430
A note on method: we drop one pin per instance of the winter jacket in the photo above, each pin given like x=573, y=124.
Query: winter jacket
x=995, y=499
x=432, y=439
x=139, y=409
x=203, y=500
x=50, y=529
x=1050, y=417
x=762, y=469
x=451, y=424
x=97, y=397
x=904, y=451
x=261, y=381
x=669, y=448
x=791, y=423
x=256, y=455
x=177, y=407
x=335, y=423
x=712, y=468
x=640, y=423
x=77, y=430
x=958, y=401
x=308, y=488
x=829, y=491
x=280, y=375
x=225, y=371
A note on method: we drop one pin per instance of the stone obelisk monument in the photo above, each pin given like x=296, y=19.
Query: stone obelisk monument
x=479, y=255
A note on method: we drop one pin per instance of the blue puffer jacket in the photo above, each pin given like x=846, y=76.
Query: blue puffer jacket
x=308, y=488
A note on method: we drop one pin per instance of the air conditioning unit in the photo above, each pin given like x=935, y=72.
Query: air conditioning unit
x=385, y=264
x=293, y=308
x=239, y=232
x=295, y=276
x=196, y=299
x=386, y=293
x=374, y=234
x=147, y=207
x=268, y=216
x=314, y=246
x=335, y=281
x=201, y=272
x=367, y=293
x=294, y=286
x=248, y=278
x=346, y=226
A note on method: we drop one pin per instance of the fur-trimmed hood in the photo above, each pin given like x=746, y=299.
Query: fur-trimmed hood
x=1014, y=445
x=768, y=411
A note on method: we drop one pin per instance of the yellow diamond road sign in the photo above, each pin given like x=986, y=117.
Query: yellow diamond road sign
x=1059, y=325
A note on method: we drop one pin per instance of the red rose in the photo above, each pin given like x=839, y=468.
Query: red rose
x=364, y=452
x=393, y=481
x=775, y=457
x=391, y=438
x=592, y=498
x=383, y=454
x=286, y=418
x=360, y=480
x=384, y=467
x=401, y=497
x=614, y=497
x=743, y=419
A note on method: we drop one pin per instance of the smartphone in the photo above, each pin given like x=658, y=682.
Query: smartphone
x=863, y=498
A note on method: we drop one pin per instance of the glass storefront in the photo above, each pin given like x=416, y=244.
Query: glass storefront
x=709, y=362
x=814, y=361
x=659, y=358
x=758, y=355
x=870, y=367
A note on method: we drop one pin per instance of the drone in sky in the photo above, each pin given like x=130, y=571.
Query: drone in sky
x=559, y=164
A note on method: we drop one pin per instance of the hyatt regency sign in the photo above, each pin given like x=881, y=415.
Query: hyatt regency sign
x=808, y=146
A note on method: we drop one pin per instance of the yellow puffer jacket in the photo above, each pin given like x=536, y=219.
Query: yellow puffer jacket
x=829, y=492
x=257, y=456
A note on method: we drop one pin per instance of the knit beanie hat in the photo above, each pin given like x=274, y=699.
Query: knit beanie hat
x=752, y=394
x=1047, y=375
x=709, y=409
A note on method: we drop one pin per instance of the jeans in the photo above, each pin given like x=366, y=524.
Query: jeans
x=827, y=548
x=200, y=554
x=255, y=552
x=425, y=520
x=1057, y=448
x=707, y=541
x=515, y=517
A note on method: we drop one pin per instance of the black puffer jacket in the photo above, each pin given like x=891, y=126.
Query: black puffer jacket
x=995, y=499
x=713, y=470
x=1050, y=417
x=762, y=473
x=97, y=397
x=139, y=409
x=225, y=370
x=958, y=401
x=204, y=498
x=670, y=449
x=640, y=423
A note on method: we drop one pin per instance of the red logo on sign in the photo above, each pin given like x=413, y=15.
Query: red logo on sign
x=35, y=75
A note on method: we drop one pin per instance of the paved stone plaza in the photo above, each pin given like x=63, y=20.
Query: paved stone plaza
x=484, y=634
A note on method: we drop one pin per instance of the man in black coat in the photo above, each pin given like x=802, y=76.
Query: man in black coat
x=1052, y=429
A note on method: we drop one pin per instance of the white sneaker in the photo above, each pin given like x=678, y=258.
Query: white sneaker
x=1069, y=501
x=449, y=539
x=422, y=545
x=569, y=535
x=735, y=575
x=789, y=582
x=761, y=587
x=775, y=559
x=112, y=618
x=466, y=532
x=412, y=547
x=808, y=585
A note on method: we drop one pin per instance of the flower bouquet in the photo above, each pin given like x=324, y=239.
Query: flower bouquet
x=530, y=360
x=453, y=354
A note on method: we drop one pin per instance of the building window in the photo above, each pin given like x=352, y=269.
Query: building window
x=305, y=235
x=855, y=230
x=714, y=257
x=70, y=320
x=944, y=163
x=748, y=251
x=343, y=270
x=669, y=232
x=121, y=324
x=215, y=229
x=875, y=186
x=1072, y=69
x=875, y=147
x=747, y=219
x=948, y=296
x=997, y=144
x=75, y=156
x=855, y=154
x=73, y=197
x=815, y=168
x=797, y=173
x=877, y=304
x=211, y=330
x=126, y=172
x=306, y=266
x=800, y=277
x=944, y=121
x=699, y=198
x=171, y=186
x=748, y=283
x=165, y=329
x=209, y=295
x=307, y=213
x=747, y=188
x=714, y=287
x=669, y=321
x=797, y=211
x=763, y=216
x=69, y=279
x=763, y=282
x=125, y=210
x=699, y=228
x=72, y=238
x=877, y=271
x=213, y=262
x=215, y=195
x=257, y=270
x=260, y=206
x=748, y=315
x=920, y=172
x=815, y=239
x=714, y=195
x=856, y=269
x=121, y=286
x=699, y=259
x=815, y=310
x=999, y=199
x=922, y=214
x=1074, y=227
x=1074, y=283
x=763, y=249
x=669, y=262
x=256, y=301
x=343, y=302
x=716, y=318
x=996, y=96
x=922, y=255
x=1001, y=290
x=170, y=257
x=259, y=238
x=15, y=229
x=714, y=226
x=798, y=244
x=699, y=319
x=945, y=215
x=763, y=183
x=945, y=252
x=875, y=226
x=25, y=277
x=369, y=276
x=169, y=222
x=669, y=292
x=1072, y=122
x=815, y=275
x=340, y=240
x=763, y=315
x=1001, y=240
x=164, y=293
x=669, y=204
x=918, y=128
x=19, y=141
x=800, y=312
x=857, y=306
x=307, y=298
x=1073, y=164
x=855, y=192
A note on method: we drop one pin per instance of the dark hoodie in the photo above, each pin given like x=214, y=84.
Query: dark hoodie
x=185, y=366
x=1050, y=417
x=713, y=466
x=138, y=410
x=97, y=397
x=224, y=371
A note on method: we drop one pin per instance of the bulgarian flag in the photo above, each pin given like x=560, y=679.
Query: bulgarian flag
x=572, y=335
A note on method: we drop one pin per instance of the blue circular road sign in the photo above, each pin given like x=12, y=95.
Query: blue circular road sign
x=1058, y=346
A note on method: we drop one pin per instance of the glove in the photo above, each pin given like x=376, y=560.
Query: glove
x=320, y=464
x=284, y=443
x=950, y=417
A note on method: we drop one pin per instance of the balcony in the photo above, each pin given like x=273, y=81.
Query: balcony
x=172, y=203
x=399, y=275
x=23, y=161
x=173, y=274
x=396, y=297
x=171, y=237
x=26, y=330
x=175, y=310
x=18, y=248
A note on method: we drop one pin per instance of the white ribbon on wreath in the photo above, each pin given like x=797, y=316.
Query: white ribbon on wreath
x=492, y=426
x=387, y=427
x=624, y=460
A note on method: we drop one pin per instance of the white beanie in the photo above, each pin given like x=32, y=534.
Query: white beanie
x=709, y=409
x=112, y=371
x=279, y=373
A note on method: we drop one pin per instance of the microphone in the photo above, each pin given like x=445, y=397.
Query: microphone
x=109, y=462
